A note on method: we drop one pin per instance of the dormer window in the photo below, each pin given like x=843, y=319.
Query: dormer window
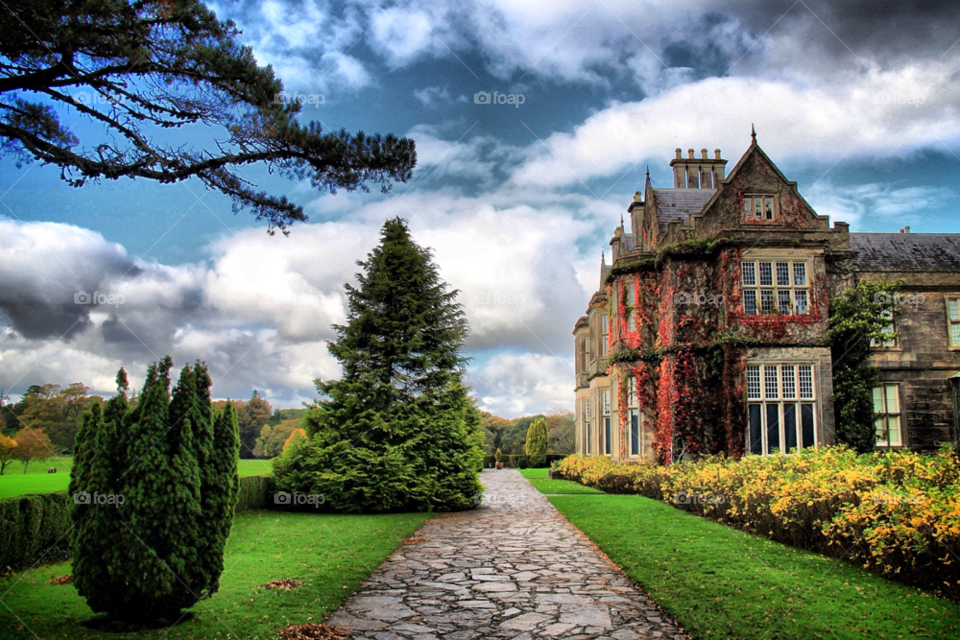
x=760, y=208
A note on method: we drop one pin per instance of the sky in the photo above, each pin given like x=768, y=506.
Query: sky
x=535, y=122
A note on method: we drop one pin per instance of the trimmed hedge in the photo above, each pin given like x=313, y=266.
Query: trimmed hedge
x=518, y=461
x=34, y=528
x=256, y=492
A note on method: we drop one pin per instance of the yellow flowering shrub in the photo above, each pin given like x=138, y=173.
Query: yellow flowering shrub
x=893, y=512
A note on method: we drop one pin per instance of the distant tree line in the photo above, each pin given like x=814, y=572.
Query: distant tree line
x=510, y=436
x=46, y=419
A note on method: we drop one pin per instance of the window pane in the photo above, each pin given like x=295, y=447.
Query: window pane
x=766, y=302
x=756, y=438
x=589, y=439
x=632, y=387
x=805, y=372
x=771, y=390
x=588, y=409
x=881, y=426
x=768, y=208
x=758, y=208
x=955, y=309
x=606, y=436
x=749, y=273
x=606, y=402
x=634, y=433
x=801, y=298
x=783, y=303
x=773, y=427
x=789, y=427
x=806, y=425
x=955, y=335
x=631, y=322
x=893, y=425
x=878, y=400
x=766, y=273
x=753, y=382
x=783, y=274
x=800, y=274
x=789, y=381
x=750, y=303
x=893, y=398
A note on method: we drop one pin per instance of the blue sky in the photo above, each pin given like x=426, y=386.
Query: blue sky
x=857, y=101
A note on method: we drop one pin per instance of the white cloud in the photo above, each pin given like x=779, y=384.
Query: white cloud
x=512, y=385
x=882, y=112
x=883, y=204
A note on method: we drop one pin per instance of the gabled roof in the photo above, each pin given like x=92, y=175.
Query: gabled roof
x=906, y=251
x=679, y=203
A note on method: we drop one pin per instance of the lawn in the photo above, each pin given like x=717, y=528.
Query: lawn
x=722, y=583
x=538, y=478
x=37, y=480
x=332, y=554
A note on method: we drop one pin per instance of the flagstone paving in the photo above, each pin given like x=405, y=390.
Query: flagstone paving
x=514, y=568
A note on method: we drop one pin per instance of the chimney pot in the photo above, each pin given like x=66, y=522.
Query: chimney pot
x=703, y=153
x=716, y=153
x=679, y=153
x=906, y=229
x=690, y=153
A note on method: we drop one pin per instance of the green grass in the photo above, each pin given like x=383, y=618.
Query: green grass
x=332, y=554
x=722, y=583
x=14, y=483
x=538, y=478
x=534, y=474
x=558, y=487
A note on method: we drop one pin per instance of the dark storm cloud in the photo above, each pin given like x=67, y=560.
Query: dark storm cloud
x=49, y=275
x=879, y=30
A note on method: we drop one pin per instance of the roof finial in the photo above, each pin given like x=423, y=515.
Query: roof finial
x=648, y=172
x=753, y=133
x=621, y=221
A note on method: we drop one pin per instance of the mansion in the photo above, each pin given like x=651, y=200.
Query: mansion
x=709, y=329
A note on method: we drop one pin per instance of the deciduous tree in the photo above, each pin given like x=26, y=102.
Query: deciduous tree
x=32, y=444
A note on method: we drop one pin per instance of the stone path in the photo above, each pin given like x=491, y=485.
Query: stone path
x=514, y=568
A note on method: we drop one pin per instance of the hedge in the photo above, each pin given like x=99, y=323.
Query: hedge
x=34, y=528
x=897, y=513
x=517, y=461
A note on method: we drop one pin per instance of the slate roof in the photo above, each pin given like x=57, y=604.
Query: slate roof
x=906, y=251
x=680, y=203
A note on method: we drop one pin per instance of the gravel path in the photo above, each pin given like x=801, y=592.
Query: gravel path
x=514, y=568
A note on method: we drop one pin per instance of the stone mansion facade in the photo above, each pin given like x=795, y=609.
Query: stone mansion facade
x=709, y=329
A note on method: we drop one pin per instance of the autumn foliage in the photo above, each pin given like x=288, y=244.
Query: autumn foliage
x=897, y=513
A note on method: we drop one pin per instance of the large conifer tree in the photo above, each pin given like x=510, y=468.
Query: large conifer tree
x=397, y=431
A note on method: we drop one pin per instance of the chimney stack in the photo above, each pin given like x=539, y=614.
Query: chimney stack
x=697, y=173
